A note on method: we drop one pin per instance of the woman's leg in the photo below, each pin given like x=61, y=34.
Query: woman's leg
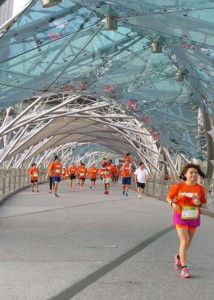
x=51, y=183
x=56, y=183
x=191, y=234
x=184, y=244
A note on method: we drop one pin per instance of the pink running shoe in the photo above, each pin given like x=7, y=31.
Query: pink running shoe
x=33, y=191
x=185, y=273
x=177, y=265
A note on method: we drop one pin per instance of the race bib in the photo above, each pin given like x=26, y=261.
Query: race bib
x=190, y=212
x=82, y=174
x=35, y=174
x=57, y=170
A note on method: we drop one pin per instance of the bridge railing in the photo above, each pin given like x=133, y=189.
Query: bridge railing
x=12, y=180
x=158, y=186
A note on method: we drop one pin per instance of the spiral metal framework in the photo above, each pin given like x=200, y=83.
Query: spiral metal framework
x=86, y=78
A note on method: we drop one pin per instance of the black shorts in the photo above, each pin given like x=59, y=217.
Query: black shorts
x=34, y=181
x=82, y=179
x=93, y=179
x=141, y=185
x=72, y=177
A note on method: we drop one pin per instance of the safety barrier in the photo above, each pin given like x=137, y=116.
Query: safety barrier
x=12, y=180
x=158, y=186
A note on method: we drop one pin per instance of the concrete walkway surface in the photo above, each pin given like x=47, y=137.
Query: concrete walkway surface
x=89, y=246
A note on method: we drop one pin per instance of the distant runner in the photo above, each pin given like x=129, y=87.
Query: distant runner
x=93, y=173
x=55, y=168
x=82, y=174
x=72, y=172
x=141, y=177
x=126, y=177
x=34, y=173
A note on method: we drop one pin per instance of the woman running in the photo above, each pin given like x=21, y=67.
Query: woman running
x=34, y=173
x=72, y=171
x=186, y=198
x=93, y=172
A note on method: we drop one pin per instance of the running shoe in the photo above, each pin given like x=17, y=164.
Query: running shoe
x=37, y=191
x=126, y=194
x=50, y=191
x=139, y=196
x=107, y=192
x=33, y=191
x=185, y=273
x=123, y=193
x=55, y=195
x=177, y=265
x=90, y=187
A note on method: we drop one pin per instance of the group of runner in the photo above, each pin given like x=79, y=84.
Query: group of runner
x=109, y=173
x=186, y=198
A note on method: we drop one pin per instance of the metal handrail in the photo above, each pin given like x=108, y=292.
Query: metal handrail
x=158, y=187
x=12, y=180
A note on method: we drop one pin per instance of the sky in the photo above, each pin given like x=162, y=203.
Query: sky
x=18, y=5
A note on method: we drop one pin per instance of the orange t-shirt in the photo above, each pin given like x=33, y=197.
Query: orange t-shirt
x=34, y=172
x=72, y=170
x=108, y=171
x=117, y=170
x=128, y=158
x=184, y=193
x=55, y=168
x=82, y=172
x=93, y=172
x=126, y=171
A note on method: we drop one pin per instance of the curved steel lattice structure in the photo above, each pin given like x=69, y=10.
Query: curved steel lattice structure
x=139, y=72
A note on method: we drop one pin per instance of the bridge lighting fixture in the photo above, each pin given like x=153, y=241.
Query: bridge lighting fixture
x=49, y=3
x=180, y=74
x=156, y=47
x=111, y=20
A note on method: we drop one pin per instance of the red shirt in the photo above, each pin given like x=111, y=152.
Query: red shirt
x=56, y=168
x=82, y=172
x=108, y=171
x=185, y=193
x=34, y=172
x=126, y=170
x=93, y=172
x=72, y=170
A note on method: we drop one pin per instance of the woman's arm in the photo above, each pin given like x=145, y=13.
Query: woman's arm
x=172, y=203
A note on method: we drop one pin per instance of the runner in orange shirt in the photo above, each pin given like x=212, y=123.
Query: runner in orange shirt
x=107, y=171
x=126, y=177
x=63, y=173
x=128, y=158
x=82, y=173
x=34, y=173
x=55, y=169
x=50, y=177
x=186, y=198
x=93, y=172
x=117, y=173
x=72, y=171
